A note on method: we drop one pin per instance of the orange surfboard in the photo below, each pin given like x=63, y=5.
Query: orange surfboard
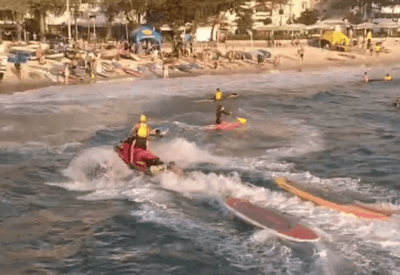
x=356, y=209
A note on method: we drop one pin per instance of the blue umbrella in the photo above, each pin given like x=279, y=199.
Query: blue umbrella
x=18, y=58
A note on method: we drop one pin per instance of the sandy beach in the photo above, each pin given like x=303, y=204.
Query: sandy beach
x=315, y=59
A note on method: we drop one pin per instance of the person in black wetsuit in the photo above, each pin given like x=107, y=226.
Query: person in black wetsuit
x=220, y=112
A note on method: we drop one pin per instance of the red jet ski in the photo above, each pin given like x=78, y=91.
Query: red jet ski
x=143, y=160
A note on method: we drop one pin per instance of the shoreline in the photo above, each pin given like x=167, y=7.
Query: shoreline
x=315, y=59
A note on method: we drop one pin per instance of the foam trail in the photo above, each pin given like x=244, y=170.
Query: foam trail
x=96, y=168
x=185, y=153
x=307, y=140
x=331, y=263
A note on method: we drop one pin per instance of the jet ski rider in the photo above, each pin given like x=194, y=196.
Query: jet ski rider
x=220, y=112
x=141, y=132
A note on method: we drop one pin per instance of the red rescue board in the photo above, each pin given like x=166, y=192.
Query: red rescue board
x=271, y=220
x=224, y=126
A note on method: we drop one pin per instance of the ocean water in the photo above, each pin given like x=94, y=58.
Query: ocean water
x=59, y=215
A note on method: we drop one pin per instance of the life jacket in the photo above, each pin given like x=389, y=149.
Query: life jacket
x=377, y=48
x=142, y=131
x=218, y=96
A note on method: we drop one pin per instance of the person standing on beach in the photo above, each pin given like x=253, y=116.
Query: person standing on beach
x=377, y=48
x=3, y=68
x=300, y=52
x=166, y=72
x=277, y=61
x=369, y=40
x=39, y=55
x=66, y=74
x=18, y=69
x=93, y=65
x=230, y=59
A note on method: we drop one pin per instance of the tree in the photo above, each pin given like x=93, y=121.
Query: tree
x=214, y=11
x=19, y=8
x=244, y=20
x=267, y=21
x=308, y=17
x=111, y=10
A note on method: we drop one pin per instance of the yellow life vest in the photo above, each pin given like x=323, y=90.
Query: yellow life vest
x=369, y=35
x=218, y=96
x=377, y=48
x=142, y=131
x=388, y=78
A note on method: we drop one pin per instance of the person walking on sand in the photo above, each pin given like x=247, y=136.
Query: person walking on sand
x=93, y=65
x=66, y=74
x=369, y=40
x=3, y=67
x=230, y=59
x=18, y=70
x=166, y=70
x=300, y=52
x=277, y=61
x=377, y=48
x=39, y=55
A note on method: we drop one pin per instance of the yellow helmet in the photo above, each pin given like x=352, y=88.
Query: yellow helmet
x=142, y=118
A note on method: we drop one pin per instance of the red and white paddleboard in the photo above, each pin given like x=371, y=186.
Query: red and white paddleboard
x=271, y=220
x=351, y=208
x=224, y=126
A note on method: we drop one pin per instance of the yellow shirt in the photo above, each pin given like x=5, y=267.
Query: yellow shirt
x=218, y=96
x=388, y=78
x=369, y=35
x=142, y=130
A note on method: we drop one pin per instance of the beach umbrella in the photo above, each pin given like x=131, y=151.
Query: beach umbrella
x=319, y=25
x=267, y=28
x=388, y=25
x=366, y=25
x=294, y=27
x=335, y=22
